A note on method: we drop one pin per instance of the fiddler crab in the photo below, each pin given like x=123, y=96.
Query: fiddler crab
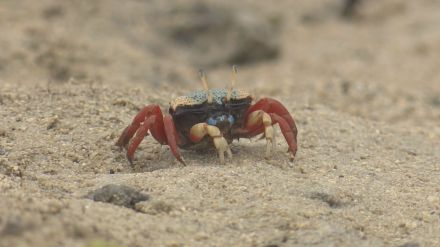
x=211, y=118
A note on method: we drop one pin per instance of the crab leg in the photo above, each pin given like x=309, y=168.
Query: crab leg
x=273, y=106
x=161, y=127
x=257, y=123
x=157, y=130
x=139, y=136
x=200, y=130
x=288, y=134
x=172, y=137
x=258, y=118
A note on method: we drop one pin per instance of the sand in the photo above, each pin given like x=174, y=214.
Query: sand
x=364, y=90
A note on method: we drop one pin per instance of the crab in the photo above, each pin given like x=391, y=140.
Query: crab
x=211, y=118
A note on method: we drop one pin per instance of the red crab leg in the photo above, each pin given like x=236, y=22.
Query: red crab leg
x=258, y=127
x=288, y=134
x=267, y=105
x=172, y=137
x=150, y=124
x=278, y=114
x=167, y=126
x=273, y=106
x=161, y=127
x=140, y=134
x=157, y=130
x=248, y=133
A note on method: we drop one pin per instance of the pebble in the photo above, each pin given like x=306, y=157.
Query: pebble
x=119, y=195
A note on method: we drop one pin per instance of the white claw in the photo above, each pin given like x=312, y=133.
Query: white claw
x=198, y=131
x=274, y=142
x=269, y=133
x=221, y=145
x=221, y=155
x=229, y=153
x=292, y=157
x=268, y=148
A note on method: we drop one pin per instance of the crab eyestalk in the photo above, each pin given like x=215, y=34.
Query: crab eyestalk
x=202, y=76
x=233, y=82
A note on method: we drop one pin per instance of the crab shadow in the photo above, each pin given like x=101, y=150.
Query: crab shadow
x=242, y=152
x=165, y=160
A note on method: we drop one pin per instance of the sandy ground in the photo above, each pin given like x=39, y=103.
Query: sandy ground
x=364, y=90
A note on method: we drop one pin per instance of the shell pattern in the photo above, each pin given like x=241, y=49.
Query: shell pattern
x=199, y=97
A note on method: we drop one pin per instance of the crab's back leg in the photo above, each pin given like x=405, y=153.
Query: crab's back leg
x=161, y=127
x=288, y=134
x=273, y=106
x=157, y=129
x=139, y=136
x=172, y=137
x=256, y=124
x=154, y=123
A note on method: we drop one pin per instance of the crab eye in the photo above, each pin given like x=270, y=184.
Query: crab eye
x=212, y=121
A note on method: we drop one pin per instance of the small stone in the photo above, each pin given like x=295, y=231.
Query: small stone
x=332, y=201
x=11, y=170
x=3, y=133
x=119, y=195
x=408, y=225
x=13, y=226
x=73, y=157
x=52, y=122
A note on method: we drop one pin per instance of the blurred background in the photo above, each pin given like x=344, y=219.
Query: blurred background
x=377, y=59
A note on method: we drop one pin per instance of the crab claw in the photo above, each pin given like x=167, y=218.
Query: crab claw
x=200, y=130
x=222, y=147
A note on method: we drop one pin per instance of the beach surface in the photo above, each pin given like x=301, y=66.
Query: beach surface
x=363, y=85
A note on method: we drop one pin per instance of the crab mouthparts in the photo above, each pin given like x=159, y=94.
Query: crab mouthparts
x=223, y=122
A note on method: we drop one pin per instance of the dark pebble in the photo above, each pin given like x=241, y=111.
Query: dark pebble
x=119, y=195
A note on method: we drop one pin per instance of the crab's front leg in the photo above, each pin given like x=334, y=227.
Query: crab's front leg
x=200, y=130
